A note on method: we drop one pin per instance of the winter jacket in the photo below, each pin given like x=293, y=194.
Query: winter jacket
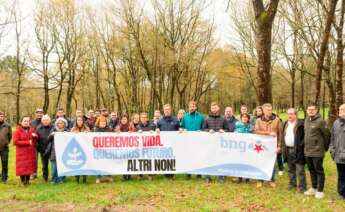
x=146, y=127
x=241, y=127
x=316, y=137
x=192, y=121
x=215, y=122
x=113, y=123
x=5, y=135
x=43, y=132
x=337, y=146
x=25, y=151
x=264, y=126
x=168, y=123
x=231, y=123
x=36, y=123
x=298, y=143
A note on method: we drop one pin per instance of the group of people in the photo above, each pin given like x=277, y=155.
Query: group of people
x=299, y=142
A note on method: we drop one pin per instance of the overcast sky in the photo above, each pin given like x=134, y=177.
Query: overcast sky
x=216, y=10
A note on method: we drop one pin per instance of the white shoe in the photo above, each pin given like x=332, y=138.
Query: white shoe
x=319, y=195
x=280, y=173
x=310, y=192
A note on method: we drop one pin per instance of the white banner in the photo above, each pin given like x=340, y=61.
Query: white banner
x=223, y=154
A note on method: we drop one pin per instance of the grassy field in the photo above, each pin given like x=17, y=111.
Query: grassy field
x=163, y=195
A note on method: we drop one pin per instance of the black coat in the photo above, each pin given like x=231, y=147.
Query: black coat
x=43, y=140
x=148, y=127
x=299, y=143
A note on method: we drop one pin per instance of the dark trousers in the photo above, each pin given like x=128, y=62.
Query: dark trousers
x=77, y=178
x=4, y=164
x=341, y=179
x=317, y=174
x=25, y=179
x=280, y=162
x=45, y=166
x=295, y=170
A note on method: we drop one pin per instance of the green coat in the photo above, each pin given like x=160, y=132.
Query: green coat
x=192, y=121
x=316, y=137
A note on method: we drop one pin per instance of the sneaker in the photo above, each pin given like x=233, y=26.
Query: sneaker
x=259, y=185
x=280, y=173
x=319, y=195
x=310, y=192
x=98, y=181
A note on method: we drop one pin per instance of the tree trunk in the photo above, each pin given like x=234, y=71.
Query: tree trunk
x=264, y=19
x=315, y=91
x=339, y=59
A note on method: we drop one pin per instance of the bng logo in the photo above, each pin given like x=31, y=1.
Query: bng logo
x=242, y=146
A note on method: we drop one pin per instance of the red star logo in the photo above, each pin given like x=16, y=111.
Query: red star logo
x=258, y=148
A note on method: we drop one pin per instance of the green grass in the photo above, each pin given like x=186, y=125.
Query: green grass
x=161, y=194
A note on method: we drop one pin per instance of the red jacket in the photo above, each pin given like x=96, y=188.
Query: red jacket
x=25, y=152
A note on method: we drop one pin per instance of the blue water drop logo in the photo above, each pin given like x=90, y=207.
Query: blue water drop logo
x=74, y=156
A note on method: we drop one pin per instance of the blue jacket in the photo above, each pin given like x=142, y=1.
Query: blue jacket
x=241, y=127
x=168, y=123
x=231, y=123
x=192, y=121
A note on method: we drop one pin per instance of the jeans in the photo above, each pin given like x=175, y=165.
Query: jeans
x=280, y=161
x=341, y=179
x=295, y=170
x=55, y=178
x=317, y=174
x=4, y=164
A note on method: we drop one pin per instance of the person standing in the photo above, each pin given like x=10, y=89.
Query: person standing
x=215, y=123
x=192, y=121
x=337, y=149
x=80, y=126
x=293, y=150
x=230, y=118
x=125, y=126
x=269, y=124
x=5, y=139
x=60, y=126
x=243, y=126
x=114, y=121
x=168, y=123
x=145, y=125
x=101, y=127
x=156, y=116
x=38, y=117
x=180, y=114
x=135, y=120
x=61, y=114
x=24, y=138
x=316, y=143
x=35, y=124
x=43, y=131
